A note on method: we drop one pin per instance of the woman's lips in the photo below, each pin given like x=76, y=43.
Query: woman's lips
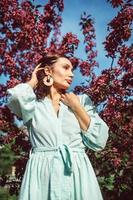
x=69, y=81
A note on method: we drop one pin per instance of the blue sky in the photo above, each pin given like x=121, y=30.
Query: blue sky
x=102, y=12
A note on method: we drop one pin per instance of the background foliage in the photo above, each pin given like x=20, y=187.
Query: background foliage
x=26, y=33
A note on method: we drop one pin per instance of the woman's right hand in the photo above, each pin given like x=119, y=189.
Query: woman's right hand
x=33, y=82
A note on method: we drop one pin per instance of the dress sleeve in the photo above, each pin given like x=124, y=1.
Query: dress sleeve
x=21, y=101
x=96, y=135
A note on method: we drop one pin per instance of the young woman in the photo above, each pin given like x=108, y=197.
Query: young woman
x=61, y=126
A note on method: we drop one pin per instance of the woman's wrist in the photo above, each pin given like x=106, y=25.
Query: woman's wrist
x=32, y=83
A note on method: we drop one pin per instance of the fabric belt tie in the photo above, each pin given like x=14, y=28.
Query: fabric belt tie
x=65, y=151
x=55, y=182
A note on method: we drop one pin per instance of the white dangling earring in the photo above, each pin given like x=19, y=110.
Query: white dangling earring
x=48, y=80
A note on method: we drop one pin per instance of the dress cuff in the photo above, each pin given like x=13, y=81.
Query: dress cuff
x=90, y=127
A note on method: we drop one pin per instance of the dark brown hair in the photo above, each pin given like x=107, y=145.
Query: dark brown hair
x=42, y=90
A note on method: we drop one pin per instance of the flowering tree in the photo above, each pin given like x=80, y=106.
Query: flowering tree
x=112, y=92
x=25, y=31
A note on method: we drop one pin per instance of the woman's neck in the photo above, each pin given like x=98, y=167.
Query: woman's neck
x=55, y=94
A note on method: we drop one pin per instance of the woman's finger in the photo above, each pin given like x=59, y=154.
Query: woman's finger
x=36, y=70
x=62, y=95
x=37, y=65
x=39, y=69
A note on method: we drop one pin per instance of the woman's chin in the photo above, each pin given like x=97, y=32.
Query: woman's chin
x=65, y=87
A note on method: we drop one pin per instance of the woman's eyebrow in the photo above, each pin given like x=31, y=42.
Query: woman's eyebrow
x=68, y=66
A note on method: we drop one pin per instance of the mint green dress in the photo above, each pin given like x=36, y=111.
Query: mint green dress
x=58, y=167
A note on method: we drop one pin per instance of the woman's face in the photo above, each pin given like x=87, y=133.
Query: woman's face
x=62, y=73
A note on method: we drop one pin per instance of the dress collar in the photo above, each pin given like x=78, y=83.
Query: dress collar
x=61, y=108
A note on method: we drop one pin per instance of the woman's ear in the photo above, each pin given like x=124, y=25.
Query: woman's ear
x=47, y=70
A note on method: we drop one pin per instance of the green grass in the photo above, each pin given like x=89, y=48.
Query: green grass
x=4, y=194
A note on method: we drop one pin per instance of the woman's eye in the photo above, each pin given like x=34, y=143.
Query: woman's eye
x=65, y=67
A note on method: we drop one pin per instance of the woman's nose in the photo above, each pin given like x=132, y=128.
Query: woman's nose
x=72, y=75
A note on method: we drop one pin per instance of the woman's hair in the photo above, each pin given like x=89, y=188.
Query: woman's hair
x=42, y=90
